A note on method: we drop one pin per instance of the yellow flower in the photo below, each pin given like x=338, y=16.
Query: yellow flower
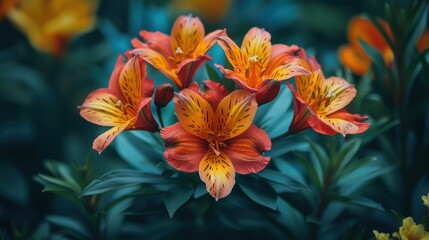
x=411, y=231
x=49, y=24
x=426, y=200
x=380, y=235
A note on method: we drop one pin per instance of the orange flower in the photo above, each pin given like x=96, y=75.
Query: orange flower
x=178, y=56
x=258, y=61
x=423, y=41
x=215, y=136
x=49, y=24
x=319, y=103
x=124, y=105
x=5, y=6
x=353, y=55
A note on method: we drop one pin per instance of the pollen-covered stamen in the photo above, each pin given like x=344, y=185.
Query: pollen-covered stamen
x=179, y=50
x=118, y=103
x=253, y=58
x=214, y=143
x=330, y=95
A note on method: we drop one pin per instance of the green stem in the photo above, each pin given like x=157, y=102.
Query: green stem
x=159, y=115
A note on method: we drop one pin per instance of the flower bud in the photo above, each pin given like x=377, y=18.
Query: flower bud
x=163, y=95
x=268, y=90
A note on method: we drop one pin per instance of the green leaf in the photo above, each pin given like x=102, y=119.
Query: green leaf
x=378, y=128
x=12, y=183
x=347, y=153
x=320, y=155
x=260, y=192
x=176, y=196
x=310, y=170
x=359, y=201
x=120, y=179
x=200, y=190
x=283, y=179
x=229, y=219
x=213, y=75
x=73, y=225
x=416, y=28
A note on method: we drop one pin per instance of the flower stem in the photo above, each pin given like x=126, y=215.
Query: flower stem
x=159, y=115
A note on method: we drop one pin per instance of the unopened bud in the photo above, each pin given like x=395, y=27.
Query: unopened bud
x=163, y=94
x=268, y=90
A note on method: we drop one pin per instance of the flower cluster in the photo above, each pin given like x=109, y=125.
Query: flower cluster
x=215, y=134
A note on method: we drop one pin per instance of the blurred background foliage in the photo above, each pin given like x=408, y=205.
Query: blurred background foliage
x=315, y=186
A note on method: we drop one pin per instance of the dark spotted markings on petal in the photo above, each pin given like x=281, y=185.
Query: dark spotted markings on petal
x=235, y=114
x=130, y=83
x=218, y=173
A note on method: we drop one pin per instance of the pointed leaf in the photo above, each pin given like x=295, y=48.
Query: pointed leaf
x=175, y=197
x=260, y=192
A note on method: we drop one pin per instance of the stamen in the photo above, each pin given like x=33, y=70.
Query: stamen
x=179, y=50
x=253, y=58
x=118, y=103
x=330, y=95
x=216, y=151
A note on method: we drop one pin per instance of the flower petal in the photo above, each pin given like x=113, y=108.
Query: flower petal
x=157, y=41
x=183, y=151
x=130, y=82
x=337, y=94
x=217, y=172
x=233, y=53
x=213, y=92
x=114, y=77
x=105, y=108
x=346, y=123
x=289, y=70
x=245, y=151
x=308, y=86
x=237, y=77
x=235, y=114
x=208, y=41
x=194, y=113
x=186, y=33
x=159, y=62
x=257, y=42
x=145, y=119
x=102, y=141
x=187, y=68
x=349, y=57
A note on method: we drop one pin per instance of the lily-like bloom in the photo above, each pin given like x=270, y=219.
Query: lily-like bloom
x=215, y=136
x=353, y=56
x=49, y=24
x=258, y=61
x=124, y=105
x=380, y=235
x=319, y=103
x=426, y=200
x=411, y=231
x=180, y=55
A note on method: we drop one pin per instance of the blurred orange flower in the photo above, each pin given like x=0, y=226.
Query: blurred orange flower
x=353, y=55
x=211, y=11
x=49, y=24
x=5, y=6
x=423, y=41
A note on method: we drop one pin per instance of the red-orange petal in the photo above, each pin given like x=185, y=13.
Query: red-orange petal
x=130, y=81
x=102, y=141
x=213, y=92
x=157, y=41
x=183, y=151
x=218, y=173
x=187, y=69
x=194, y=113
x=235, y=114
x=423, y=41
x=114, y=77
x=293, y=68
x=350, y=58
x=246, y=151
